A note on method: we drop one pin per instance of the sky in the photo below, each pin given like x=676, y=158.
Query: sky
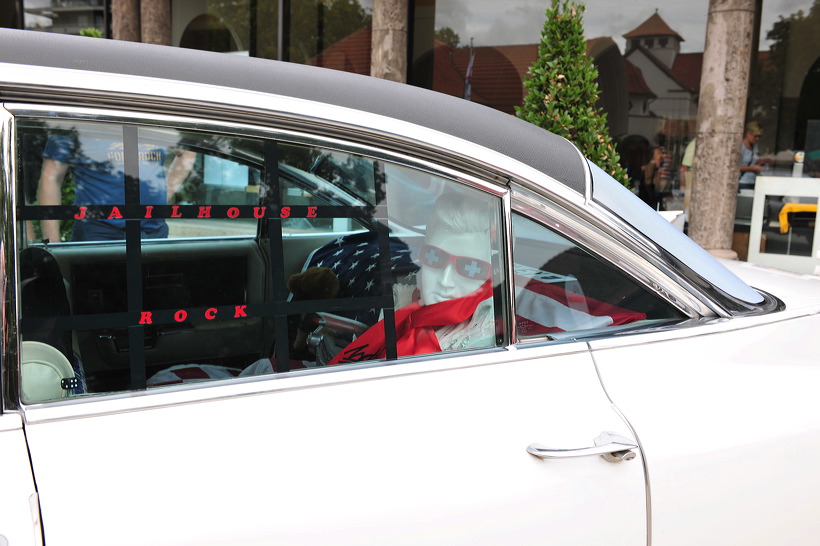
x=508, y=22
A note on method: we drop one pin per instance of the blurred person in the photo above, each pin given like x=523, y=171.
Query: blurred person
x=97, y=163
x=751, y=164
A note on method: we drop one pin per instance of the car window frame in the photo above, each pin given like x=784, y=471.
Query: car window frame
x=374, y=150
x=587, y=226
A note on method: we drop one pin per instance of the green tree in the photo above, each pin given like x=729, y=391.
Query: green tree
x=563, y=89
x=448, y=36
x=92, y=32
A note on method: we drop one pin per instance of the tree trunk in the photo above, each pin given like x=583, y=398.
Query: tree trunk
x=125, y=20
x=388, y=58
x=724, y=88
x=156, y=21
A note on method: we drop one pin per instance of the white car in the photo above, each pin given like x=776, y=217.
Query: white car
x=248, y=302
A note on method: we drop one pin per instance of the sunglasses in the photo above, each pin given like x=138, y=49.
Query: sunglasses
x=469, y=268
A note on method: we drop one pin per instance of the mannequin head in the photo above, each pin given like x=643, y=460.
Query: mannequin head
x=456, y=257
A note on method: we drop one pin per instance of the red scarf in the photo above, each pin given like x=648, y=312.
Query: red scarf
x=415, y=328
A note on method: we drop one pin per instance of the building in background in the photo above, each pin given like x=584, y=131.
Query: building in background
x=648, y=78
x=67, y=16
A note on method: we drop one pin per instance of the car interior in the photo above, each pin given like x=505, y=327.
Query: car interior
x=316, y=251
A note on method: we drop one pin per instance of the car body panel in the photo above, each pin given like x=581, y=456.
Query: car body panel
x=796, y=290
x=730, y=434
x=340, y=458
x=19, y=509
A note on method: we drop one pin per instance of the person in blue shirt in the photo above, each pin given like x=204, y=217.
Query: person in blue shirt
x=751, y=164
x=97, y=162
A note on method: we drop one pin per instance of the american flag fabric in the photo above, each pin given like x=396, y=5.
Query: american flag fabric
x=355, y=261
x=191, y=373
x=547, y=303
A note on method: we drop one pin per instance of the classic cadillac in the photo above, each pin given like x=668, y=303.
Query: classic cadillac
x=249, y=302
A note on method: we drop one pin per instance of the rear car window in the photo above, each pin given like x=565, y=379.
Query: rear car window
x=154, y=256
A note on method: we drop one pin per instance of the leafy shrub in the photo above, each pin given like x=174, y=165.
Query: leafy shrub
x=563, y=89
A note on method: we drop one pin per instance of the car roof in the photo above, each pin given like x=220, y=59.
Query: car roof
x=503, y=133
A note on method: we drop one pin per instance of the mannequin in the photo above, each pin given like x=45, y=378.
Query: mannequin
x=454, y=309
x=455, y=262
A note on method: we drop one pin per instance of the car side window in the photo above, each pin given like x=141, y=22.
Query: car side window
x=416, y=275
x=159, y=257
x=102, y=169
x=561, y=289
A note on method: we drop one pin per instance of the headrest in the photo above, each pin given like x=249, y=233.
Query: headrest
x=42, y=371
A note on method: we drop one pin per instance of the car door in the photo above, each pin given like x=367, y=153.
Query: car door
x=729, y=432
x=422, y=446
x=19, y=507
x=432, y=452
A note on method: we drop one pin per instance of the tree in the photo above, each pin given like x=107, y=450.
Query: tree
x=563, y=89
x=91, y=32
x=448, y=36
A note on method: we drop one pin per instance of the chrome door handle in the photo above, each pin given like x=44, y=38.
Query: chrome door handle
x=610, y=446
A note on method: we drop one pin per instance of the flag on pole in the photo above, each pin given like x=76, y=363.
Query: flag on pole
x=468, y=78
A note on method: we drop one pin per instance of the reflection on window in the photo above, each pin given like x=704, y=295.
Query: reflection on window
x=300, y=31
x=207, y=256
x=89, y=180
x=782, y=226
x=560, y=288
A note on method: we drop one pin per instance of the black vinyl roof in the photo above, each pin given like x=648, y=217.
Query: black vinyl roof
x=490, y=128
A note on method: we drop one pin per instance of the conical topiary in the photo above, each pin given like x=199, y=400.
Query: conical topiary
x=563, y=89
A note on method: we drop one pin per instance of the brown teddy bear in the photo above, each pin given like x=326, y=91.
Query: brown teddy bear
x=314, y=283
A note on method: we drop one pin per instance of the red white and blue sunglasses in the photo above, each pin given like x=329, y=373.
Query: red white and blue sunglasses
x=469, y=268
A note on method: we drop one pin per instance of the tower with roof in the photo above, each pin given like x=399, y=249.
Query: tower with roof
x=655, y=36
x=663, y=83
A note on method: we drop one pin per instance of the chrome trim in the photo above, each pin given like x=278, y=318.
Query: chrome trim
x=612, y=447
x=129, y=401
x=543, y=186
x=644, y=462
x=509, y=269
x=708, y=295
x=486, y=181
x=187, y=106
x=371, y=147
x=497, y=187
x=9, y=318
x=580, y=225
x=122, y=92
x=587, y=178
x=681, y=289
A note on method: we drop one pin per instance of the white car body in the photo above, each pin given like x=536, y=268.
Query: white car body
x=719, y=408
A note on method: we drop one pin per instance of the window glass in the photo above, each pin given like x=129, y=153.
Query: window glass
x=561, y=288
x=299, y=31
x=429, y=256
x=618, y=199
x=193, y=256
x=175, y=176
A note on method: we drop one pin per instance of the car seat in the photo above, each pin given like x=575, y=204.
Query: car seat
x=43, y=300
x=45, y=373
